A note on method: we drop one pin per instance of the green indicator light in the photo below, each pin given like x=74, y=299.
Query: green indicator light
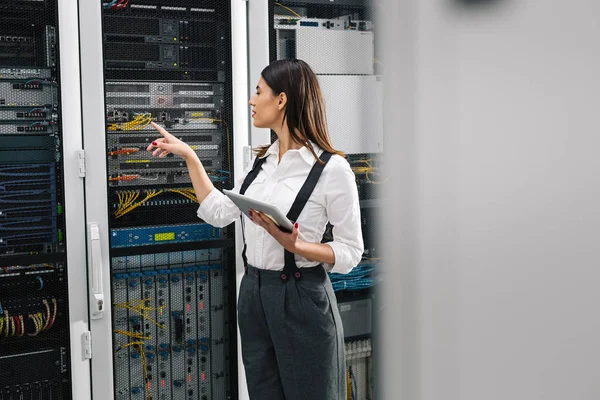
x=174, y=64
x=60, y=235
x=60, y=209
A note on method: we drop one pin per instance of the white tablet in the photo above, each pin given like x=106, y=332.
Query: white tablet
x=246, y=203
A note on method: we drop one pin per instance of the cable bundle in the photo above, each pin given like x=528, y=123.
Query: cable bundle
x=15, y=325
x=127, y=199
x=138, y=339
x=366, y=167
x=361, y=277
x=139, y=122
x=116, y=5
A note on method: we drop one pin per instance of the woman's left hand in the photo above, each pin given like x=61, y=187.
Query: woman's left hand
x=289, y=241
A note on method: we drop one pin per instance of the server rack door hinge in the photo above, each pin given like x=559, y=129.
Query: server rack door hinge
x=81, y=160
x=86, y=339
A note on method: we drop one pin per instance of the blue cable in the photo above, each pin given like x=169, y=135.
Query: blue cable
x=109, y=5
x=361, y=277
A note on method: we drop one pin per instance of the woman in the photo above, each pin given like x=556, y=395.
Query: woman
x=290, y=328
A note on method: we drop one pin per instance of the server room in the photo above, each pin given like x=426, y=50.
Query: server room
x=296, y=199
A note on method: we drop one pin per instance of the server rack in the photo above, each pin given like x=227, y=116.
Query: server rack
x=337, y=39
x=40, y=353
x=165, y=280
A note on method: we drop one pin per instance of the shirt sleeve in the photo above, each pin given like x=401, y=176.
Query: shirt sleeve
x=218, y=209
x=343, y=212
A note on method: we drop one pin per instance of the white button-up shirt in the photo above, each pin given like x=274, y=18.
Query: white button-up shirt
x=335, y=199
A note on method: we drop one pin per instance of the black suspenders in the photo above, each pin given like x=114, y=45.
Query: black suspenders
x=258, y=162
x=290, y=267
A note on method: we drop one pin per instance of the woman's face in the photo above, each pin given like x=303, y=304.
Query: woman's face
x=266, y=107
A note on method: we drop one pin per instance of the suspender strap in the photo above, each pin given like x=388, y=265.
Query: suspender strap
x=290, y=268
x=251, y=176
x=308, y=187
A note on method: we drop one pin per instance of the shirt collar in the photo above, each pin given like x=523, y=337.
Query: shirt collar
x=303, y=151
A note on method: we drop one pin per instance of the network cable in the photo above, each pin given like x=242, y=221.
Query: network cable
x=289, y=9
x=361, y=277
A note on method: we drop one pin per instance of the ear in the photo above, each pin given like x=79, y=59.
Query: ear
x=281, y=101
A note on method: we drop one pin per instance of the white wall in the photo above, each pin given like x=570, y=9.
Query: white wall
x=496, y=277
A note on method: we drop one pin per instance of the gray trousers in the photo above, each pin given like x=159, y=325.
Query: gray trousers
x=292, y=337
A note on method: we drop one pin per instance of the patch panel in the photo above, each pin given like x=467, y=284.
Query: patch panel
x=134, y=207
x=25, y=73
x=183, y=7
x=29, y=127
x=45, y=112
x=32, y=92
x=144, y=236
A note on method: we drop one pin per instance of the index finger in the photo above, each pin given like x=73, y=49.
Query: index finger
x=159, y=128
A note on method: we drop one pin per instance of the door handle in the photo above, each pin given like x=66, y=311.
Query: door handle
x=97, y=294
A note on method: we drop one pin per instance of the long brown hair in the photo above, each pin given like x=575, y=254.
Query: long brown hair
x=305, y=108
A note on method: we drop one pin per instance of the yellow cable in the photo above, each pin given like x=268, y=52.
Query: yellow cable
x=132, y=334
x=134, y=309
x=38, y=322
x=139, y=122
x=6, y=317
x=289, y=9
x=47, y=314
x=54, y=311
x=31, y=317
x=144, y=366
x=131, y=344
x=22, y=321
x=1, y=324
x=131, y=207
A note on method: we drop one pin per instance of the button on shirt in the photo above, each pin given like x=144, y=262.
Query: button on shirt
x=335, y=199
